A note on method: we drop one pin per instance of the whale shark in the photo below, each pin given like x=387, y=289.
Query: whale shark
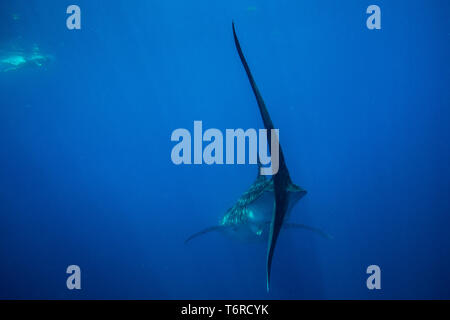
x=264, y=209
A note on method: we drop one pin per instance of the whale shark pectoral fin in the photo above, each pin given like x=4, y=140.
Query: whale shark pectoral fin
x=204, y=231
x=306, y=227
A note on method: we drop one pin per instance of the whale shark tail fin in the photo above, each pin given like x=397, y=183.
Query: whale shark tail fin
x=282, y=178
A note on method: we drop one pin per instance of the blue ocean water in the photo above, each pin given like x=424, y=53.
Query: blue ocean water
x=86, y=176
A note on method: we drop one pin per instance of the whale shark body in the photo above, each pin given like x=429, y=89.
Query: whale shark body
x=263, y=210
